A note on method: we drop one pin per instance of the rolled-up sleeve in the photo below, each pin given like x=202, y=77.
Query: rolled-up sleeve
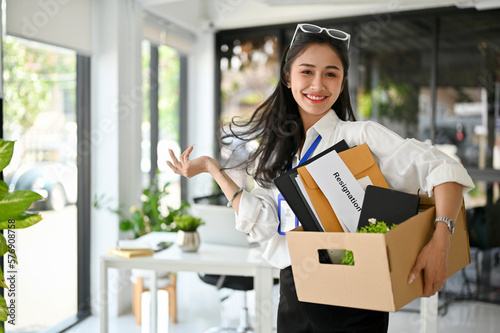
x=258, y=214
x=408, y=164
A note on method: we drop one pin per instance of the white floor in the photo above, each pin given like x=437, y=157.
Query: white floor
x=199, y=309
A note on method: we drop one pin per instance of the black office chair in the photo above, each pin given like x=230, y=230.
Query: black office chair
x=242, y=283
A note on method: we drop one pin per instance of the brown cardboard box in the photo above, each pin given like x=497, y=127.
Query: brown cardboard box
x=378, y=279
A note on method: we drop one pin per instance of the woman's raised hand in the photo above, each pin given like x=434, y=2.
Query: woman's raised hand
x=186, y=167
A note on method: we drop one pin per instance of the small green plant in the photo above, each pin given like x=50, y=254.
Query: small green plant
x=147, y=217
x=374, y=227
x=13, y=215
x=186, y=222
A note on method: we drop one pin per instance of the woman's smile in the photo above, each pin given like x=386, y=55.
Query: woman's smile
x=315, y=98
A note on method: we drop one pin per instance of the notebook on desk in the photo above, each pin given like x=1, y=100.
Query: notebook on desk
x=219, y=227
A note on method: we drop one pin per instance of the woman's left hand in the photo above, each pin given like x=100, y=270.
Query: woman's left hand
x=432, y=261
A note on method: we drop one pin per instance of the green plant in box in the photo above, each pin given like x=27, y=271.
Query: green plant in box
x=372, y=227
x=13, y=215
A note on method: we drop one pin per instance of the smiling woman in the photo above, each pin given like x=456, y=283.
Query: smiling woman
x=310, y=108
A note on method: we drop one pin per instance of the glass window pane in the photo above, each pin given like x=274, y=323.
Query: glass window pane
x=394, y=76
x=468, y=80
x=467, y=117
x=40, y=113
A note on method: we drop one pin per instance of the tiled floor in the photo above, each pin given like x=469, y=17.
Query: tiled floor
x=199, y=309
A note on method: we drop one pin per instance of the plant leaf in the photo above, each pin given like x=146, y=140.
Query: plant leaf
x=4, y=186
x=3, y=312
x=2, y=280
x=6, y=151
x=22, y=221
x=14, y=203
x=4, y=248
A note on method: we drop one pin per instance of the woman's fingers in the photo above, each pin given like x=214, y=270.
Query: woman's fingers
x=173, y=167
x=172, y=156
x=185, y=155
x=180, y=165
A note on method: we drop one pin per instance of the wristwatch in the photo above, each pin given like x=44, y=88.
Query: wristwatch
x=449, y=222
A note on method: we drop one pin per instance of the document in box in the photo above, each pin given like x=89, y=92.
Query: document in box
x=340, y=187
x=306, y=197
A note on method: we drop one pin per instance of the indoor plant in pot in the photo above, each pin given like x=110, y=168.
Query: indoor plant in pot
x=188, y=238
x=148, y=216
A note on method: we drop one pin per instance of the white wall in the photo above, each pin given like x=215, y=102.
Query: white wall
x=116, y=90
x=201, y=113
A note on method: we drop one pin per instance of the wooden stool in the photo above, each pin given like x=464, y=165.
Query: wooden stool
x=170, y=287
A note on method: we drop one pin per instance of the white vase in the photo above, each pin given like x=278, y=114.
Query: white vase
x=188, y=241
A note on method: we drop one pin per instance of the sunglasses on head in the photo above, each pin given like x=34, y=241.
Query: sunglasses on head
x=314, y=29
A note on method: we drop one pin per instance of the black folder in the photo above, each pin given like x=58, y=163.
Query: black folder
x=386, y=205
x=294, y=197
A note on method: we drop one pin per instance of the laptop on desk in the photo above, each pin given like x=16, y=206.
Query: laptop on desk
x=219, y=227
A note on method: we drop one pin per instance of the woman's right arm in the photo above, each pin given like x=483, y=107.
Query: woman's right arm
x=259, y=215
x=190, y=168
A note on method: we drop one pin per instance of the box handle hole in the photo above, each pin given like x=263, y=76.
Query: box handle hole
x=336, y=257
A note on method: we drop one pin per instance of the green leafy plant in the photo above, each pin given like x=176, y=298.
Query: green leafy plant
x=147, y=217
x=373, y=227
x=186, y=222
x=13, y=215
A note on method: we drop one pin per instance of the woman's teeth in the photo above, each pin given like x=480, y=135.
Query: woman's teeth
x=316, y=98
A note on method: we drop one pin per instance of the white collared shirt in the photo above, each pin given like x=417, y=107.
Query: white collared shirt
x=408, y=165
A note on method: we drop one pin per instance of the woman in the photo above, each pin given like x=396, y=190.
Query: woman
x=308, y=112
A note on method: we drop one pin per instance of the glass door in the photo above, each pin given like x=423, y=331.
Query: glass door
x=40, y=115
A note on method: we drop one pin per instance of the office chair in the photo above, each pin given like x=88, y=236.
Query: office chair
x=241, y=283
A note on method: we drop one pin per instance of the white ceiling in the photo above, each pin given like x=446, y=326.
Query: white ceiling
x=205, y=15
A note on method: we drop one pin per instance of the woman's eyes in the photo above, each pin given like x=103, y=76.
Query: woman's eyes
x=306, y=71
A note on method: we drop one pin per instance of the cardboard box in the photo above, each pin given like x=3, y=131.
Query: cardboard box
x=382, y=262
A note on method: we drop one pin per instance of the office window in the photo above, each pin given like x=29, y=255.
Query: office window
x=467, y=113
x=40, y=113
x=394, y=75
x=468, y=93
x=249, y=69
x=161, y=126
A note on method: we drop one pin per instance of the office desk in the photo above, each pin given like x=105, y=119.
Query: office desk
x=210, y=259
x=218, y=259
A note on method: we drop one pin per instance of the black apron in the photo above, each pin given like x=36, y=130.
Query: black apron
x=302, y=317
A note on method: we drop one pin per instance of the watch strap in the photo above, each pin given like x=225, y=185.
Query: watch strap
x=449, y=222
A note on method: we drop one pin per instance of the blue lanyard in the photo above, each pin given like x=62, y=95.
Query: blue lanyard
x=309, y=152
x=281, y=200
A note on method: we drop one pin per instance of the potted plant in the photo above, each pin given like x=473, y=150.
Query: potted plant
x=188, y=238
x=13, y=215
x=147, y=217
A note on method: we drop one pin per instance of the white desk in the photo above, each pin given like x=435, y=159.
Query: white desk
x=210, y=259
x=218, y=259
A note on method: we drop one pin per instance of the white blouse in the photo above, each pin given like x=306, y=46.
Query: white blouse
x=408, y=165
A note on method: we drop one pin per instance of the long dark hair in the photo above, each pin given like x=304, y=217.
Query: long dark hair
x=276, y=124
